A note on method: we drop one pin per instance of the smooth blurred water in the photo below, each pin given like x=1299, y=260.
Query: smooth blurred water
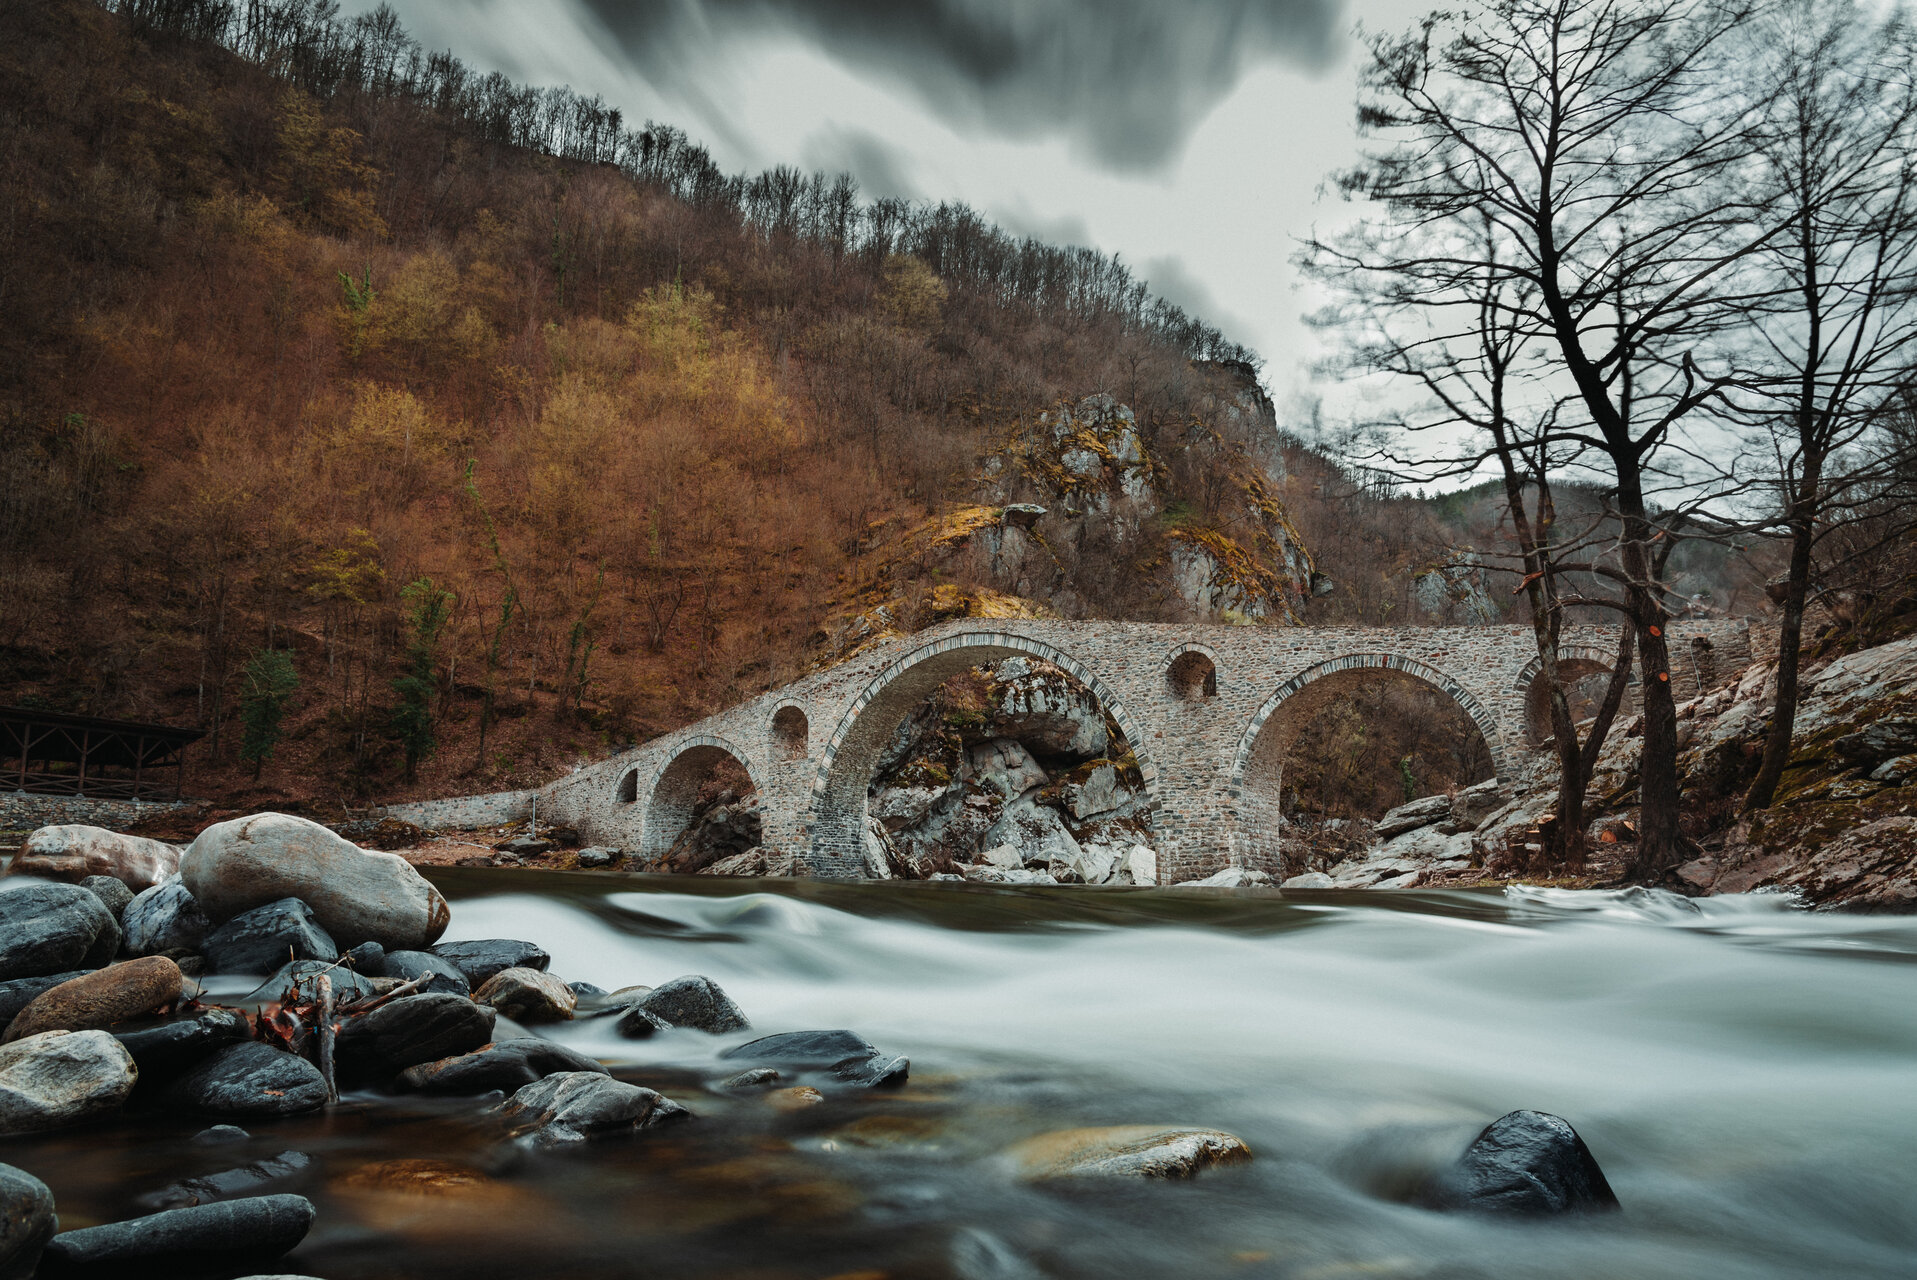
x=1745, y=1072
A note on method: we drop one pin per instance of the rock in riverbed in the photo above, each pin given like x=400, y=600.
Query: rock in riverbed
x=1527, y=1162
x=410, y=1031
x=692, y=1001
x=267, y=937
x=218, y=1239
x=231, y=1184
x=21, y=992
x=357, y=895
x=26, y=1222
x=53, y=928
x=1124, y=1151
x=113, y=895
x=75, y=851
x=58, y=1078
x=442, y=976
x=482, y=958
x=504, y=1064
x=164, y=918
x=250, y=1079
x=572, y=1106
x=97, y=1000
x=165, y=1049
x=527, y=995
x=845, y=1054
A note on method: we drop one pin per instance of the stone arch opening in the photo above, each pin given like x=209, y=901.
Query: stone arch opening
x=1586, y=673
x=708, y=774
x=869, y=728
x=1258, y=780
x=628, y=790
x=789, y=732
x=1192, y=675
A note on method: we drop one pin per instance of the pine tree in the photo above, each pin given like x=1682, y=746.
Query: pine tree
x=427, y=609
x=269, y=680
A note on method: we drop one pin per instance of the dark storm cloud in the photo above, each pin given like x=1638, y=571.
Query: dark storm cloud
x=1171, y=280
x=1129, y=79
x=879, y=166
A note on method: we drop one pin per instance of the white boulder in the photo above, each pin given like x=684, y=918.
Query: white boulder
x=58, y=1078
x=74, y=852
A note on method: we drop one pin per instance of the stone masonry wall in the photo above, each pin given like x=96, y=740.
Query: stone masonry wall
x=465, y=812
x=1210, y=762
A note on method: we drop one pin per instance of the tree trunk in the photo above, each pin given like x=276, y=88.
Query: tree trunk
x=1790, y=638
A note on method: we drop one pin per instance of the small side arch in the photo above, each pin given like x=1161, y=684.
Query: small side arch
x=1191, y=672
x=673, y=793
x=790, y=730
x=1575, y=663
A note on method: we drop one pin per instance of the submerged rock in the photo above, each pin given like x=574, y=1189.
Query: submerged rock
x=230, y=1184
x=102, y=998
x=845, y=1054
x=250, y=1079
x=1526, y=1162
x=528, y=995
x=164, y=918
x=1124, y=1151
x=75, y=851
x=26, y=1222
x=220, y=1239
x=267, y=937
x=53, y=928
x=410, y=1031
x=357, y=895
x=58, y=1078
x=481, y=959
x=504, y=1064
x=692, y=1001
x=572, y=1106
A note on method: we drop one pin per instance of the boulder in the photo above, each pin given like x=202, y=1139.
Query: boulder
x=757, y=862
x=164, y=1050
x=113, y=895
x=301, y=977
x=1409, y=817
x=221, y=1135
x=1229, y=878
x=357, y=895
x=250, y=1079
x=100, y=999
x=228, y=1238
x=266, y=937
x=845, y=1054
x=481, y=959
x=59, y=1078
x=527, y=995
x=1046, y=708
x=1097, y=863
x=26, y=1222
x=597, y=856
x=1529, y=1163
x=53, y=928
x=1039, y=834
x=572, y=1106
x=1124, y=1151
x=1100, y=792
x=1309, y=880
x=998, y=875
x=368, y=960
x=1473, y=805
x=441, y=975
x=1005, y=766
x=231, y=1184
x=21, y=992
x=1882, y=739
x=1138, y=866
x=72, y=853
x=409, y=1031
x=164, y=918
x=693, y=1001
x=504, y=1064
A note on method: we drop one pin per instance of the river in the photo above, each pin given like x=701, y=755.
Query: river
x=1745, y=1073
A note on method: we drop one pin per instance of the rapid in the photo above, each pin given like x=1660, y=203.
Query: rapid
x=1743, y=1071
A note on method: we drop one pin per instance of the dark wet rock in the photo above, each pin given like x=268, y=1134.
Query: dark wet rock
x=572, y=1106
x=250, y=1079
x=1527, y=1162
x=26, y=1222
x=60, y=1078
x=164, y=918
x=209, y=1239
x=845, y=1054
x=598, y=857
x=692, y=1001
x=301, y=978
x=508, y=1065
x=441, y=975
x=528, y=995
x=368, y=960
x=54, y=928
x=99, y=999
x=263, y=939
x=585, y=989
x=410, y=1031
x=21, y=992
x=220, y=1135
x=482, y=958
x=231, y=1184
x=164, y=1050
x=113, y=894
x=754, y=1078
x=526, y=846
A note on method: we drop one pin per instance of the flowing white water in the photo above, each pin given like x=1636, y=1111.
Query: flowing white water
x=1745, y=1072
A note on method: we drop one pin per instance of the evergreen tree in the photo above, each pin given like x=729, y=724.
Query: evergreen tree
x=269, y=680
x=428, y=607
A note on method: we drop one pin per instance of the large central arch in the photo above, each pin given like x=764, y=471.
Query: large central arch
x=837, y=810
x=671, y=794
x=1258, y=764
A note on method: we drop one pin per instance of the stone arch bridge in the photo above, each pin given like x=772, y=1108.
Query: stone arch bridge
x=1210, y=711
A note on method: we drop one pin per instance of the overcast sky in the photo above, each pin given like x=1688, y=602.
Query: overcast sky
x=1189, y=137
